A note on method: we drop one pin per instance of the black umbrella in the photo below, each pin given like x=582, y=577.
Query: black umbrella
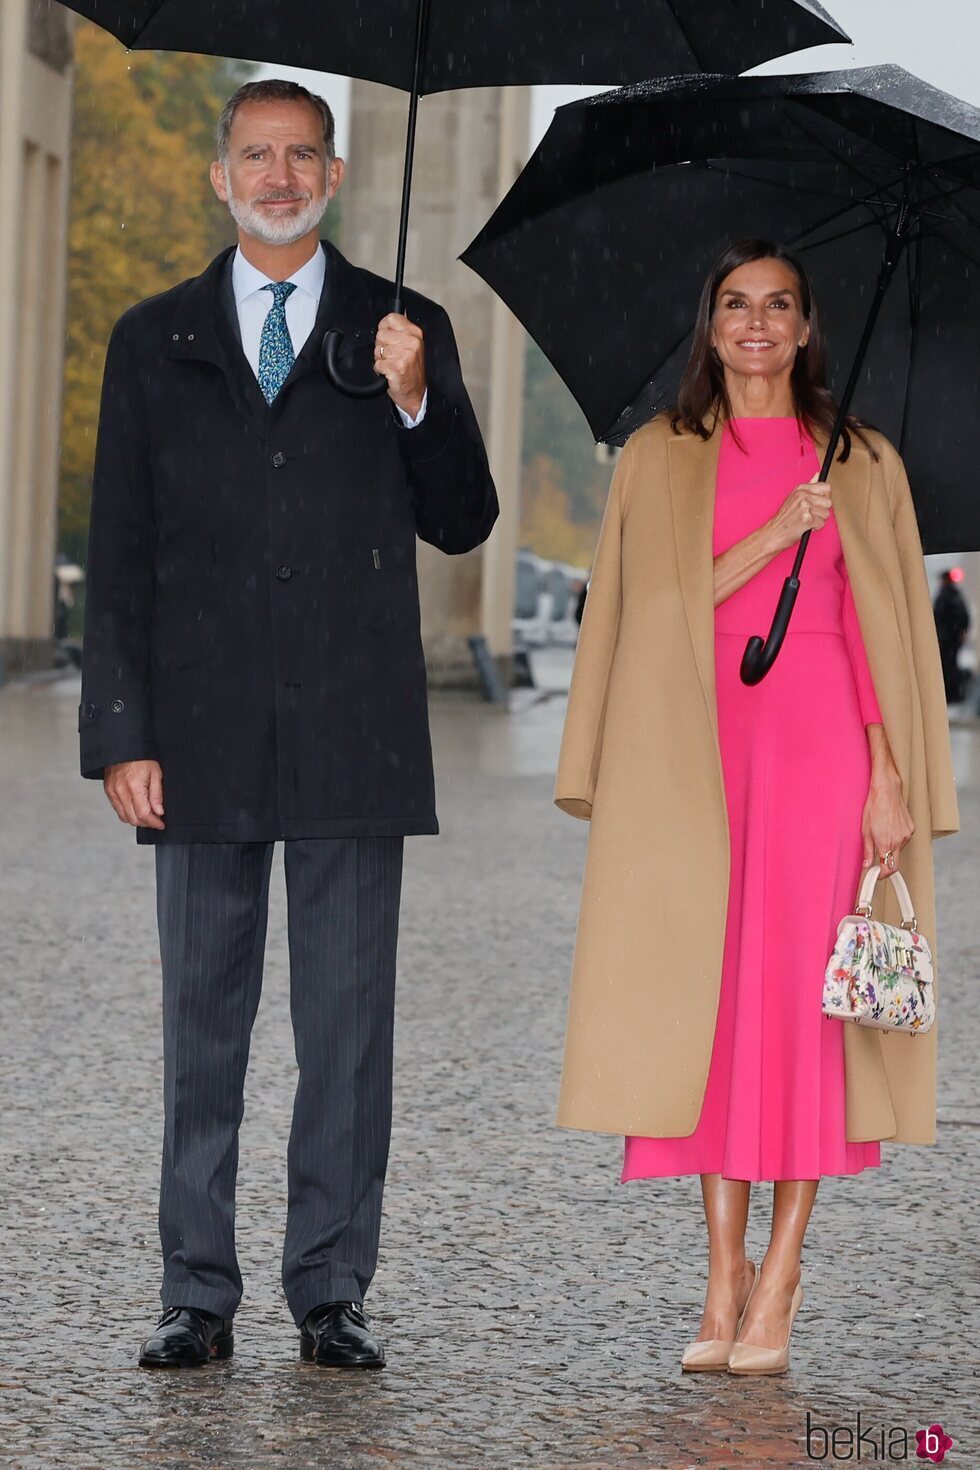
x=603, y=243
x=425, y=46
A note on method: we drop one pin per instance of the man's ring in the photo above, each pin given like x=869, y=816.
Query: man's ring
x=382, y=352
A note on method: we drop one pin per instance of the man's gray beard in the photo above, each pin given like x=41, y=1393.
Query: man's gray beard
x=270, y=229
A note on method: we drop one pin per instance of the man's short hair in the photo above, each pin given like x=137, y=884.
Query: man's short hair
x=274, y=89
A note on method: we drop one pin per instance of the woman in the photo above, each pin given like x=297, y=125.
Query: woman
x=729, y=824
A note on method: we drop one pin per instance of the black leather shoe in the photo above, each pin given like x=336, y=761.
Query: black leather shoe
x=337, y=1336
x=186, y=1337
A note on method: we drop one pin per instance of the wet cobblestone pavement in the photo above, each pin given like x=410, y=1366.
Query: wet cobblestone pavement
x=533, y=1309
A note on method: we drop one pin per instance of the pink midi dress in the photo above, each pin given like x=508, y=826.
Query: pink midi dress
x=796, y=764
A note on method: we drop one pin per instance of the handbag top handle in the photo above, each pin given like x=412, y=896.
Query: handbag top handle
x=866, y=893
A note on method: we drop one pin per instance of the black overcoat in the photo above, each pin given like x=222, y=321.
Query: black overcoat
x=252, y=611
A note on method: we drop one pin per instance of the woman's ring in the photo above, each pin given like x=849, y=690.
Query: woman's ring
x=889, y=859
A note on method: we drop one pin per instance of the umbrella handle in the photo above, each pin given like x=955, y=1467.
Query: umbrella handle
x=760, y=656
x=333, y=338
x=331, y=353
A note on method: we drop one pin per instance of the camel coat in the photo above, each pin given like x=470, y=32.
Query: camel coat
x=640, y=758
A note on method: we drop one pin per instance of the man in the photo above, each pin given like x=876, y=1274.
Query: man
x=253, y=671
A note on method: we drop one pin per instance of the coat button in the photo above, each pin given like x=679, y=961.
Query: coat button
x=284, y=573
x=278, y=459
x=117, y=706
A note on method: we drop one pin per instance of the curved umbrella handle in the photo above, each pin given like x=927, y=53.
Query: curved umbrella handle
x=759, y=657
x=333, y=338
x=331, y=353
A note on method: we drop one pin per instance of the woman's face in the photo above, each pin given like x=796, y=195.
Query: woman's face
x=758, y=324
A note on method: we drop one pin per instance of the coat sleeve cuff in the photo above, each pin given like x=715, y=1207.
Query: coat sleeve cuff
x=431, y=437
x=575, y=806
x=109, y=736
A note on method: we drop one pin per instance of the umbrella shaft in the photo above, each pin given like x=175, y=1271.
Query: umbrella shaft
x=897, y=240
x=413, y=113
x=884, y=279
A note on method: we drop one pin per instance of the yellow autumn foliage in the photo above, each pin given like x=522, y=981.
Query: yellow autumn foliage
x=142, y=215
x=547, y=527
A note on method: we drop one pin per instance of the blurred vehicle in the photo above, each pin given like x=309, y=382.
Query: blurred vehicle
x=545, y=600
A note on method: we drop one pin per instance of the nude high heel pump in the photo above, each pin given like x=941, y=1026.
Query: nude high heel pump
x=748, y=1357
x=711, y=1355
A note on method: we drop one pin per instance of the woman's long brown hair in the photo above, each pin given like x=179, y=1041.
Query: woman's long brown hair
x=703, y=398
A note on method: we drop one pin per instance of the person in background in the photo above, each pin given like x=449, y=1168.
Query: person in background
x=952, y=624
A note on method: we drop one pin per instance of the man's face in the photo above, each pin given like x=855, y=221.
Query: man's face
x=277, y=180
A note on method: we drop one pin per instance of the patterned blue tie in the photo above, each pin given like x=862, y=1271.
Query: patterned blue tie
x=276, y=355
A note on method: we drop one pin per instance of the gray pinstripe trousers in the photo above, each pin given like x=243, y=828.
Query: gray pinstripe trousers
x=212, y=902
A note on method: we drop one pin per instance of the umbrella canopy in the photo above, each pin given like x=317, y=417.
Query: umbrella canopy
x=477, y=43
x=603, y=244
x=433, y=45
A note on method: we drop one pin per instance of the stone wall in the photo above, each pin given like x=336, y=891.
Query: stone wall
x=470, y=146
x=35, y=134
x=49, y=34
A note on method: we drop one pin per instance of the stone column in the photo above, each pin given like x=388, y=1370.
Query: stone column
x=35, y=129
x=469, y=149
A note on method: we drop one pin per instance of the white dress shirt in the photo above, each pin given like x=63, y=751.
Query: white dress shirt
x=254, y=304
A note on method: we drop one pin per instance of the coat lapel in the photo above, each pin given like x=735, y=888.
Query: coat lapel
x=692, y=471
x=201, y=330
x=345, y=307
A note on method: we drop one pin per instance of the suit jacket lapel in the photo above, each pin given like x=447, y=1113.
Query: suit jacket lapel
x=692, y=473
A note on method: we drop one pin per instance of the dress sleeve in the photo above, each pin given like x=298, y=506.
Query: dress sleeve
x=867, y=700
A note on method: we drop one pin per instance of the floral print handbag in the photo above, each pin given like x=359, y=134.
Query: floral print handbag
x=879, y=974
